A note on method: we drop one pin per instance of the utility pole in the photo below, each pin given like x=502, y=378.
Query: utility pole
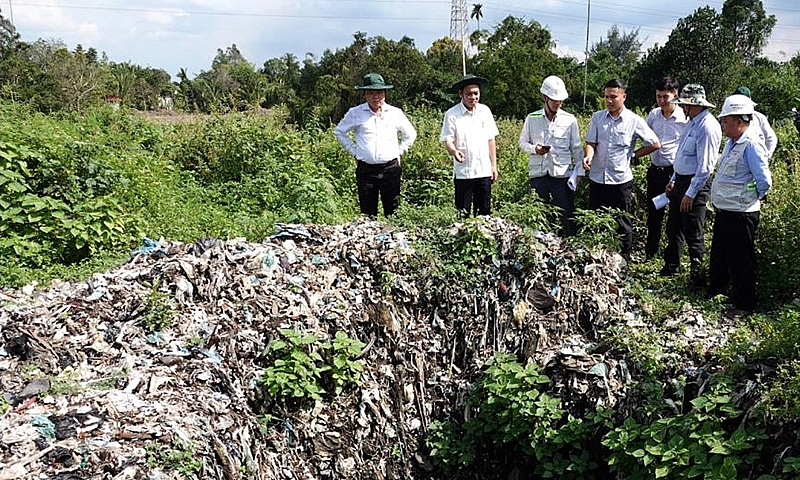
x=11, y=12
x=458, y=28
x=586, y=53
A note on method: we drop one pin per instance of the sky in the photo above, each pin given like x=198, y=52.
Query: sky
x=175, y=34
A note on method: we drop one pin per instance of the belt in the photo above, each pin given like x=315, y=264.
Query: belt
x=384, y=164
x=678, y=175
x=660, y=168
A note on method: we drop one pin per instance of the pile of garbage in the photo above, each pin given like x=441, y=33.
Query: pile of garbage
x=152, y=370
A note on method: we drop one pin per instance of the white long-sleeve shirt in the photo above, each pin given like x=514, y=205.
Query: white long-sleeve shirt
x=376, y=139
x=563, y=137
x=765, y=133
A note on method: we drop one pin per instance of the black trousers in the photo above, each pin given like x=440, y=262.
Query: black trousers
x=619, y=197
x=474, y=195
x=556, y=191
x=657, y=179
x=378, y=180
x=686, y=227
x=733, y=257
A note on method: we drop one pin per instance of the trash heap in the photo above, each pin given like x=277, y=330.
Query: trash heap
x=107, y=378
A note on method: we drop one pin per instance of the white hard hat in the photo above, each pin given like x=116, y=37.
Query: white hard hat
x=554, y=88
x=737, y=105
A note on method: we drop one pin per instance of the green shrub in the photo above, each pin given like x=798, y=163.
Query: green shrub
x=298, y=370
x=712, y=440
x=513, y=411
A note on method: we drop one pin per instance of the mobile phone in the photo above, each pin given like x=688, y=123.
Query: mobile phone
x=546, y=148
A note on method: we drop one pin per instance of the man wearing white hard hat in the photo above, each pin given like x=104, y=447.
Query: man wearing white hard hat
x=740, y=185
x=552, y=141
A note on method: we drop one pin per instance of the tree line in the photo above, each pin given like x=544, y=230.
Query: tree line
x=719, y=50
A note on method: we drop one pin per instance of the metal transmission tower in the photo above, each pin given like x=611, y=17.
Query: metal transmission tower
x=458, y=28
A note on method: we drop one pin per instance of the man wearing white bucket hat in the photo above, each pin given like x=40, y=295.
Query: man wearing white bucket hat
x=740, y=185
x=690, y=184
x=552, y=141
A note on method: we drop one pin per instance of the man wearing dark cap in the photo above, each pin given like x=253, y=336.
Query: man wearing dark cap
x=376, y=146
x=468, y=133
x=763, y=129
x=689, y=187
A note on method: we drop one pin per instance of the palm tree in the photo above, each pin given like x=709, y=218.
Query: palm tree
x=477, y=13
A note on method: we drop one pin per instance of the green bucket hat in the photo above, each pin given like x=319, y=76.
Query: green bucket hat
x=373, y=81
x=469, y=79
x=692, y=94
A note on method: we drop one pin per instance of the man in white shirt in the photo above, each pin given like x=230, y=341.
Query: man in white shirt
x=610, y=149
x=669, y=123
x=468, y=133
x=553, y=143
x=376, y=147
x=763, y=129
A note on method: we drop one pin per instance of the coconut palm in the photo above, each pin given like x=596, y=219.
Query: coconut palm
x=477, y=13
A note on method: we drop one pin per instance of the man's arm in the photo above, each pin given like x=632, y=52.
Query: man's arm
x=344, y=126
x=588, y=155
x=525, y=142
x=407, y=132
x=770, y=139
x=493, y=157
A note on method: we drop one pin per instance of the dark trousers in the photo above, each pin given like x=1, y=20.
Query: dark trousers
x=378, y=180
x=686, y=227
x=733, y=257
x=555, y=191
x=474, y=195
x=619, y=197
x=657, y=179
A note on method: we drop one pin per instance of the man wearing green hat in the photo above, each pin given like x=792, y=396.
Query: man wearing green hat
x=468, y=133
x=689, y=187
x=375, y=124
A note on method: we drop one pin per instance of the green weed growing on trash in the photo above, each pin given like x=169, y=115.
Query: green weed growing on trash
x=597, y=228
x=298, y=370
x=158, y=309
x=713, y=439
x=345, y=369
x=179, y=456
x=460, y=256
x=514, y=414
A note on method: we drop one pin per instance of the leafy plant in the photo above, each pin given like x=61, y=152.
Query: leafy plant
x=597, y=228
x=709, y=441
x=344, y=371
x=159, y=309
x=296, y=369
x=512, y=410
x=299, y=370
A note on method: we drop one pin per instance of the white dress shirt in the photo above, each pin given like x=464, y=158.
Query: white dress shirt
x=376, y=139
x=615, y=142
x=669, y=131
x=470, y=132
